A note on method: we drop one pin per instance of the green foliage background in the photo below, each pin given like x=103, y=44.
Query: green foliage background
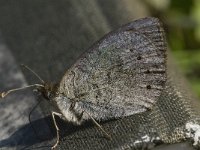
x=182, y=23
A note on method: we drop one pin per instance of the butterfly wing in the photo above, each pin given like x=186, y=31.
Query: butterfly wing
x=122, y=74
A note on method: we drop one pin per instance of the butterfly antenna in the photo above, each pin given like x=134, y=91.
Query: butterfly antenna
x=33, y=72
x=3, y=94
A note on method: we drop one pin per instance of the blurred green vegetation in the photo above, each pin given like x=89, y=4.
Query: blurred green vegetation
x=182, y=23
x=189, y=61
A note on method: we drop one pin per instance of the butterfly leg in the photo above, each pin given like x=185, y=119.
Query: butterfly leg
x=57, y=129
x=98, y=125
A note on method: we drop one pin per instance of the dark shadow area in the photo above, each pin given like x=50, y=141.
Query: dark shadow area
x=34, y=133
x=26, y=136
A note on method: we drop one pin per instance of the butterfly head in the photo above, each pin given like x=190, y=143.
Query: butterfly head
x=48, y=90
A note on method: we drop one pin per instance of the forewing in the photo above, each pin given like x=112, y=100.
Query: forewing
x=125, y=70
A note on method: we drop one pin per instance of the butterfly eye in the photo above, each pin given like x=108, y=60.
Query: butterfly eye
x=131, y=50
x=48, y=94
x=139, y=58
x=148, y=86
x=147, y=71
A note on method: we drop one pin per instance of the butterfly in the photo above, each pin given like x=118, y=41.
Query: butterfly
x=122, y=74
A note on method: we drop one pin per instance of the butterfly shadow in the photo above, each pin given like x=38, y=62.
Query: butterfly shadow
x=30, y=134
x=41, y=134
